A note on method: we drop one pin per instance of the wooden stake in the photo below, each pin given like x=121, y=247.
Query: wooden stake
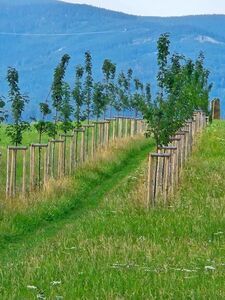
x=150, y=198
x=12, y=175
x=8, y=173
x=165, y=179
x=24, y=174
x=82, y=150
x=45, y=178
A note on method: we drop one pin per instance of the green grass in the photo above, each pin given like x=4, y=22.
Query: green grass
x=108, y=246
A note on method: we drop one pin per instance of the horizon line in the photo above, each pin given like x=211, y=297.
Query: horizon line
x=140, y=15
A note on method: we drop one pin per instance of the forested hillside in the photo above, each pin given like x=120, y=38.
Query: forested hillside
x=35, y=34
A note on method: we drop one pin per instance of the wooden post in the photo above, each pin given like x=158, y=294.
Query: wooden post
x=82, y=149
x=99, y=135
x=114, y=130
x=72, y=153
x=24, y=174
x=165, y=179
x=67, y=163
x=12, y=175
x=181, y=152
x=60, y=160
x=49, y=159
x=132, y=127
x=159, y=175
x=45, y=178
x=170, y=181
x=176, y=143
x=61, y=168
x=190, y=137
x=152, y=169
x=126, y=127
x=185, y=144
x=150, y=183
x=107, y=132
x=8, y=173
x=33, y=176
x=76, y=140
x=120, y=127
x=193, y=129
x=32, y=164
x=216, y=109
x=138, y=126
x=93, y=141
x=52, y=159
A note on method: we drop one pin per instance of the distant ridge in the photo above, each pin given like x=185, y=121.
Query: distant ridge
x=24, y=2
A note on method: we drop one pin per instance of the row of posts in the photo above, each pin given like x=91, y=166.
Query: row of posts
x=165, y=166
x=61, y=157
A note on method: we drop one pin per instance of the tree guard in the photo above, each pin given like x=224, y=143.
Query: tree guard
x=38, y=178
x=11, y=173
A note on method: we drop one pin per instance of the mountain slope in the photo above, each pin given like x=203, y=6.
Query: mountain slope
x=34, y=35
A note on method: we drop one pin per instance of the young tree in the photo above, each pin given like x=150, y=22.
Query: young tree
x=66, y=109
x=162, y=58
x=99, y=103
x=3, y=114
x=148, y=94
x=42, y=126
x=138, y=97
x=157, y=113
x=122, y=93
x=88, y=90
x=146, y=100
x=88, y=85
x=129, y=87
x=109, y=72
x=18, y=100
x=183, y=88
x=57, y=86
x=203, y=87
x=78, y=95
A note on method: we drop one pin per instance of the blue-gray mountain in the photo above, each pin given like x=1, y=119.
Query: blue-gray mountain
x=34, y=34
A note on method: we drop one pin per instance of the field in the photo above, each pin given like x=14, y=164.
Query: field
x=96, y=240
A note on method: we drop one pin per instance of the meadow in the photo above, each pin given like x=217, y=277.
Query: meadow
x=97, y=240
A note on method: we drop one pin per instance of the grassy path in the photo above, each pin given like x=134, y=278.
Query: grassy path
x=115, y=249
x=28, y=231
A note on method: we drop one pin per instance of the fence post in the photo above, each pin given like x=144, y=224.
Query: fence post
x=8, y=173
x=82, y=149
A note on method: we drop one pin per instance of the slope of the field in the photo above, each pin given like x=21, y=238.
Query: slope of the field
x=107, y=246
x=35, y=34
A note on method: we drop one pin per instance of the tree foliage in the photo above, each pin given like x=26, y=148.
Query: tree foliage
x=183, y=87
x=18, y=102
x=78, y=95
x=88, y=86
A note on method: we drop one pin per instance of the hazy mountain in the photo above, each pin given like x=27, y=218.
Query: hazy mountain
x=34, y=34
